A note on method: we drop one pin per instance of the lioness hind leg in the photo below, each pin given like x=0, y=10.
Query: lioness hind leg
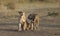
x=32, y=26
x=36, y=27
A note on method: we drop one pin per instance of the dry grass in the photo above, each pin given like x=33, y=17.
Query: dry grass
x=9, y=17
x=11, y=30
x=51, y=31
x=10, y=8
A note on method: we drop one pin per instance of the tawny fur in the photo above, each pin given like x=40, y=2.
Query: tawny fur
x=22, y=21
x=34, y=24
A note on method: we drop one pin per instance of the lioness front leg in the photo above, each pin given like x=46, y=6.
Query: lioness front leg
x=19, y=27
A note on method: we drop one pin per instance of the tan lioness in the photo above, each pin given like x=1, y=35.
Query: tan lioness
x=22, y=21
x=34, y=21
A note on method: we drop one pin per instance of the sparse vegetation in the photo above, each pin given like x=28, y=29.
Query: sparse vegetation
x=48, y=27
x=53, y=14
x=12, y=16
x=41, y=0
x=31, y=1
x=10, y=6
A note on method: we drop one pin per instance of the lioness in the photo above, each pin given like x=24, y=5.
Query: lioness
x=22, y=21
x=34, y=21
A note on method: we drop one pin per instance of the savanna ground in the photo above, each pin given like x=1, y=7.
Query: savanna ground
x=49, y=25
